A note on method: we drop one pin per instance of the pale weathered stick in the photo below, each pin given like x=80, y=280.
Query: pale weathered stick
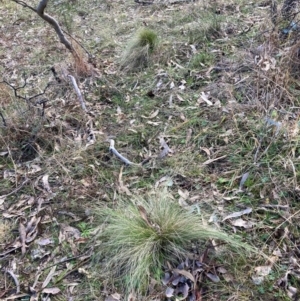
x=80, y=97
x=14, y=277
x=117, y=154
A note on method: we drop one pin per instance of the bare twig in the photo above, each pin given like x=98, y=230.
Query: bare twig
x=117, y=154
x=3, y=119
x=17, y=189
x=14, y=277
x=25, y=97
x=80, y=97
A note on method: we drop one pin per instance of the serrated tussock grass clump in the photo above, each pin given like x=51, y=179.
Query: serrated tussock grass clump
x=137, y=54
x=138, y=238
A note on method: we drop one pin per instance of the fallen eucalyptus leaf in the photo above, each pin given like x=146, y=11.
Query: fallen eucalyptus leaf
x=242, y=223
x=51, y=290
x=237, y=214
x=212, y=277
x=169, y=292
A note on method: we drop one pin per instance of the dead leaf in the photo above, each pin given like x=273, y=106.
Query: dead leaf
x=243, y=180
x=188, y=136
x=154, y=123
x=67, y=232
x=206, y=150
x=2, y=199
x=183, y=291
x=113, y=297
x=85, y=272
x=180, y=98
x=121, y=186
x=51, y=290
x=213, y=160
x=49, y=277
x=214, y=278
x=131, y=297
x=237, y=214
x=185, y=274
x=166, y=278
x=169, y=292
x=22, y=232
x=164, y=181
x=165, y=148
x=143, y=214
x=183, y=197
x=204, y=97
x=221, y=270
x=44, y=241
x=153, y=115
x=182, y=117
x=46, y=183
x=116, y=296
x=242, y=223
x=263, y=270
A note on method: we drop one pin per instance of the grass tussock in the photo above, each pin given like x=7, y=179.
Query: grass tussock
x=140, y=237
x=139, y=50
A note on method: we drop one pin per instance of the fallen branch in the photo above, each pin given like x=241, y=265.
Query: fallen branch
x=80, y=97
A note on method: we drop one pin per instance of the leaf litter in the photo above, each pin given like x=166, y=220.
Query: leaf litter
x=224, y=127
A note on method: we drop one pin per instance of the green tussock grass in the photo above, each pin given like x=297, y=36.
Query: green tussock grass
x=137, y=54
x=140, y=237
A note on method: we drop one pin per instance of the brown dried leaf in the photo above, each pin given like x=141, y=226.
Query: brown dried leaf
x=213, y=160
x=121, y=186
x=143, y=214
x=49, y=277
x=153, y=115
x=263, y=270
x=185, y=274
x=67, y=232
x=46, y=183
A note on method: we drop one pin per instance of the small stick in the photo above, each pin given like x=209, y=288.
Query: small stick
x=14, y=277
x=118, y=155
x=3, y=119
x=80, y=97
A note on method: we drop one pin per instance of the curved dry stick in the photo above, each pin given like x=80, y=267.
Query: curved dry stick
x=40, y=11
x=14, y=277
x=78, y=92
x=117, y=154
